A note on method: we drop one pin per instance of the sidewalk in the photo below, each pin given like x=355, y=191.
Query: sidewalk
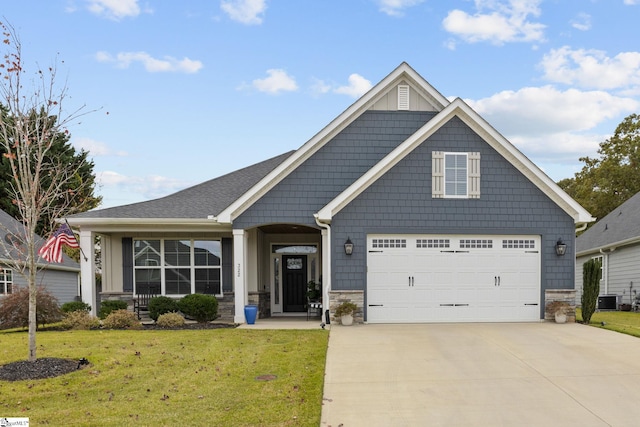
x=286, y=323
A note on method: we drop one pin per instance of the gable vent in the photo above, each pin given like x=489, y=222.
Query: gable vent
x=403, y=97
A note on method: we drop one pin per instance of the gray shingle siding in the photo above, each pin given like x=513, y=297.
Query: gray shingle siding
x=401, y=202
x=333, y=168
x=61, y=284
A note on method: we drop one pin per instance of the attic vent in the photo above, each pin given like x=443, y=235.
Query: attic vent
x=403, y=97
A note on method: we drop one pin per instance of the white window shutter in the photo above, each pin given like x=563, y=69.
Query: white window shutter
x=473, y=169
x=437, y=174
x=403, y=97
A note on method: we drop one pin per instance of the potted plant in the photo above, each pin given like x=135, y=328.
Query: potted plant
x=559, y=310
x=345, y=312
x=313, y=291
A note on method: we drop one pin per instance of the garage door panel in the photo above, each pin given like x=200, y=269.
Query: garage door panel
x=454, y=279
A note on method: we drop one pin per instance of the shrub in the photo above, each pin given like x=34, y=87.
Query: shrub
x=72, y=306
x=108, y=306
x=346, y=308
x=170, y=320
x=80, y=320
x=591, y=272
x=202, y=308
x=161, y=305
x=121, y=319
x=14, y=308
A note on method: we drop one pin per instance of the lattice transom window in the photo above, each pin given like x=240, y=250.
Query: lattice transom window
x=476, y=243
x=518, y=244
x=389, y=243
x=432, y=243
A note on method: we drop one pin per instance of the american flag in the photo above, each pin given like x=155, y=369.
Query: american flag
x=52, y=249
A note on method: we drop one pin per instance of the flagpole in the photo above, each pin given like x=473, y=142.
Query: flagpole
x=79, y=247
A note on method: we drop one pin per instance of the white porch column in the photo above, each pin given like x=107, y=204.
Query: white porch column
x=87, y=270
x=240, y=288
x=326, y=266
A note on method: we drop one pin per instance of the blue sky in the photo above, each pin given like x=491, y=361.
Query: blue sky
x=185, y=91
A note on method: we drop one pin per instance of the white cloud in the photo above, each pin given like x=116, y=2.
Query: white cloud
x=631, y=2
x=396, y=7
x=114, y=9
x=554, y=128
x=277, y=81
x=357, y=86
x=151, y=64
x=250, y=12
x=582, y=22
x=96, y=148
x=592, y=68
x=535, y=111
x=320, y=87
x=148, y=187
x=497, y=22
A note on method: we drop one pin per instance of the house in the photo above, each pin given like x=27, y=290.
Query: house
x=615, y=240
x=61, y=280
x=447, y=222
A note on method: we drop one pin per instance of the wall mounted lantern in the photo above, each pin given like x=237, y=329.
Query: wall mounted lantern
x=348, y=246
x=561, y=247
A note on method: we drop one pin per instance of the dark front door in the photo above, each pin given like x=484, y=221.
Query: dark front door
x=294, y=282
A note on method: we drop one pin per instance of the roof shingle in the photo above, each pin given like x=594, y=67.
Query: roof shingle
x=199, y=201
x=623, y=223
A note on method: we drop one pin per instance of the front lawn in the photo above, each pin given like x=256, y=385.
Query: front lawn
x=626, y=322
x=219, y=377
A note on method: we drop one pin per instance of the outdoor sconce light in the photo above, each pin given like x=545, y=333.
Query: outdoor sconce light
x=561, y=247
x=348, y=246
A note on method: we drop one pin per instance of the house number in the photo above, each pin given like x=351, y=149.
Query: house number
x=238, y=270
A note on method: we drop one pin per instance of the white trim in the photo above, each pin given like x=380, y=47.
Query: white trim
x=458, y=108
x=404, y=71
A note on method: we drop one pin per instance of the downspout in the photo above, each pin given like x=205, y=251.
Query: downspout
x=605, y=269
x=326, y=285
x=582, y=227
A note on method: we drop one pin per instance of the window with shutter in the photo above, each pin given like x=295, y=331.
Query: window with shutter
x=455, y=175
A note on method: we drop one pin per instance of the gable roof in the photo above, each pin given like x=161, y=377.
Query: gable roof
x=458, y=108
x=402, y=74
x=620, y=227
x=10, y=231
x=199, y=202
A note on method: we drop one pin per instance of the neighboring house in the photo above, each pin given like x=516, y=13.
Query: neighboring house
x=449, y=222
x=615, y=240
x=61, y=280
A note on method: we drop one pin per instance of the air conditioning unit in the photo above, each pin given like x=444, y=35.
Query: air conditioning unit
x=608, y=302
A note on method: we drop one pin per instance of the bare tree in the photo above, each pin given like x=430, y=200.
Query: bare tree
x=31, y=115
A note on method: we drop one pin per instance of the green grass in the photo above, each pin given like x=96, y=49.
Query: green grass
x=626, y=322
x=158, y=378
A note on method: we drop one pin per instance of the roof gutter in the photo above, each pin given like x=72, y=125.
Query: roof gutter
x=610, y=247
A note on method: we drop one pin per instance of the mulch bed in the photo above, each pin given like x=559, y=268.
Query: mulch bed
x=47, y=367
x=50, y=367
x=153, y=326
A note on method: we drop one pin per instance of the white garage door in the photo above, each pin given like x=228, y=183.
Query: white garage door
x=454, y=278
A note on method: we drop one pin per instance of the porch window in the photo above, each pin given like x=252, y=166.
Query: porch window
x=178, y=267
x=6, y=281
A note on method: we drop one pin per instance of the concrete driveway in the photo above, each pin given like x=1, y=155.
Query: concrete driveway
x=527, y=374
